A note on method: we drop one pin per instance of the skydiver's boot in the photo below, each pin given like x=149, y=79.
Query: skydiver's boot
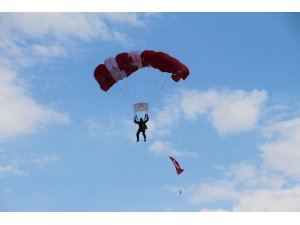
x=144, y=139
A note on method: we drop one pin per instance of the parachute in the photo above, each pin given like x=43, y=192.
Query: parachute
x=179, y=170
x=177, y=166
x=124, y=64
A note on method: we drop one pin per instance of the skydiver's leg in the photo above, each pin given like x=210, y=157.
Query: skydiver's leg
x=138, y=136
x=143, y=132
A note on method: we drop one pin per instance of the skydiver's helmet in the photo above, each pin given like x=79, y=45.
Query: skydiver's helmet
x=141, y=120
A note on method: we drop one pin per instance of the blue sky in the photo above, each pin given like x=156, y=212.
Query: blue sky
x=233, y=124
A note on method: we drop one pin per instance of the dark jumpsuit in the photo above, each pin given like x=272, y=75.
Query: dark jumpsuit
x=142, y=127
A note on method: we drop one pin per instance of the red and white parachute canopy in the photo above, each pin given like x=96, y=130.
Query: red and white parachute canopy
x=124, y=64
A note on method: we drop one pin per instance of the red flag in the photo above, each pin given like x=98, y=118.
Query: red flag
x=177, y=166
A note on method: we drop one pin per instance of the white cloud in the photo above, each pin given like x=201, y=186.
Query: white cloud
x=282, y=200
x=20, y=113
x=217, y=190
x=165, y=119
x=133, y=19
x=194, y=102
x=53, y=50
x=250, y=176
x=247, y=187
x=213, y=210
x=165, y=148
x=282, y=152
x=25, y=37
x=21, y=166
x=57, y=25
x=10, y=170
x=244, y=198
x=229, y=111
x=242, y=171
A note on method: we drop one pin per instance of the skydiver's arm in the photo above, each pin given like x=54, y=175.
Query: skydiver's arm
x=147, y=118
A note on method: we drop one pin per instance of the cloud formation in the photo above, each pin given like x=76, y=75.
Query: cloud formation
x=281, y=200
x=26, y=37
x=19, y=166
x=282, y=152
x=165, y=148
x=20, y=113
x=229, y=111
x=247, y=188
x=165, y=119
x=10, y=170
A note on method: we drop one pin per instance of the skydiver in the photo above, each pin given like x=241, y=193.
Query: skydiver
x=142, y=126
